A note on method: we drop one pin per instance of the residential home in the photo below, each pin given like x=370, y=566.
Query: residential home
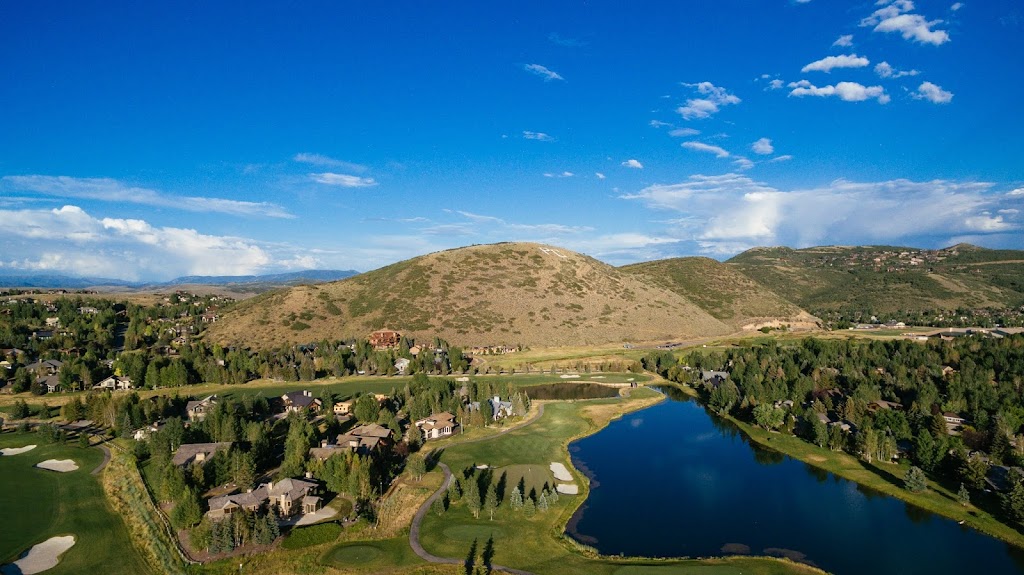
x=500, y=409
x=343, y=407
x=45, y=367
x=53, y=322
x=299, y=400
x=288, y=496
x=714, y=378
x=385, y=339
x=189, y=453
x=197, y=410
x=143, y=433
x=365, y=438
x=114, y=382
x=401, y=365
x=437, y=425
x=50, y=382
x=42, y=334
x=882, y=405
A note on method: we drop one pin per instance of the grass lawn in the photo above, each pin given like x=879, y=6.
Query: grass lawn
x=372, y=556
x=38, y=504
x=536, y=543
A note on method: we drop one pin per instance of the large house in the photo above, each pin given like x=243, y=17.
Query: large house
x=401, y=365
x=437, y=425
x=189, y=453
x=365, y=438
x=288, y=497
x=385, y=339
x=343, y=407
x=198, y=409
x=45, y=367
x=499, y=409
x=114, y=382
x=299, y=400
x=714, y=378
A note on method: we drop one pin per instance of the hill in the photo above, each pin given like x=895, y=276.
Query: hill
x=513, y=293
x=888, y=279
x=722, y=291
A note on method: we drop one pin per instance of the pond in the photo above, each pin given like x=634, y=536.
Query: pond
x=672, y=480
x=570, y=390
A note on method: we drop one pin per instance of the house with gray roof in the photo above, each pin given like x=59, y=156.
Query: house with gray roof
x=288, y=497
x=189, y=453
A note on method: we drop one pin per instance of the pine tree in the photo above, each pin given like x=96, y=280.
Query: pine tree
x=915, y=480
x=529, y=508
x=542, y=502
x=472, y=497
x=1013, y=503
x=491, y=501
x=963, y=495
x=515, y=500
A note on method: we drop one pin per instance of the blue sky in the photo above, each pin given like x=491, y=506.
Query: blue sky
x=146, y=141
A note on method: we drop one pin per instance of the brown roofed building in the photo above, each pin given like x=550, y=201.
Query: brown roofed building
x=189, y=453
x=385, y=339
x=365, y=438
x=438, y=425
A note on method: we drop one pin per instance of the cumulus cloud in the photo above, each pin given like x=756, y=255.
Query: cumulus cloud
x=734, y=210
x=885, y=70
x=898, y=16
x=828, y=63
x=327, y=162
x=635, y=164
x=932, y=93
x=342, y=180
x=776, y=84
x=70, y=240
x=1016, y=192
x=702, y=147
x=714, y=97
x=844, y=41
x=543, y=72
x=763, y=147
x=539, y=136
x=110, y=190
x=847, y=91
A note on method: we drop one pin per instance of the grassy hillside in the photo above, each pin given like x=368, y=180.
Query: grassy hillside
x=482, y=295
x=888, y=279
x=721, y=290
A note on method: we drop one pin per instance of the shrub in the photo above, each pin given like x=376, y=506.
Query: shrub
x=314, y=535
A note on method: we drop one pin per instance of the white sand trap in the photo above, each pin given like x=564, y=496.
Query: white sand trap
x=41, y=557
x=62, y=465
x=560, y=472
x=462, y=379
x=17, y=450
x=567, y=488
x=570, y=376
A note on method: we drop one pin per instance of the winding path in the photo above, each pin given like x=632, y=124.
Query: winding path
x=414, y=531
x=106, y=459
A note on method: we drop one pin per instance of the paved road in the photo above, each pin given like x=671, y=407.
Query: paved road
x=414, y=532
x=106, y=459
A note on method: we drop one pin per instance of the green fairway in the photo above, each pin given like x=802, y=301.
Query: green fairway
x=532, y=543
x=38, y=504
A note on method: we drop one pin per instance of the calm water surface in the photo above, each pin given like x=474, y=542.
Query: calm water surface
x=672, y=480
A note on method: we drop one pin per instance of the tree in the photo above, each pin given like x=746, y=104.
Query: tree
x=415, y=437
x=867, y=443
x=768, y=417
x=928, y=451
x=915, y=480
x=963, y=496
x=416, y=465
x=472, y=497
x=296, y=447
x=20, y=409
x=1013, y=503
x=542, y=501
x=438, y=506
x=836, y=438
x=515, y=500
x=366, y=408
x=972, y=472
x=187, y=511
x=491, y=501
x=243, y=469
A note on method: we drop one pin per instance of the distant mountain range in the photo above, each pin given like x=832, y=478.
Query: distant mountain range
x=59, y=281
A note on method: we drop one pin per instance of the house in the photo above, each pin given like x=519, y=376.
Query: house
x=786, y=403
x=45, y=367
x=50, y=382
x=1001, y=477
x=401, y=365
x=53, y=322
x=189, y=453
x=499, y=409
x=197, y=410
x=288, y=497
x=365, y=438
x=437, y=425
x=42, y=334
x=143, y=433
x=385, y=339
x=714, y=378
x=343, y=407
x=114, y=382
x=953, y=418
x=882, y=405
x=299, y=400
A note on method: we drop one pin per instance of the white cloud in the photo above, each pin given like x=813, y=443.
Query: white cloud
x=683, y=132
x=885, y=70
x=543, y=72
x=733, y=210
x=599, y=175
x=847, y=91
x=763, y=147
x=828, y=63
x=659, y=124
x=702, y=147
x=776, y=84
x=539, y=136
x=844, y=41
x=328, y=162
x=342, y=180
x=897, y=16
x=69, y=240
x=562, y=175
x=782, y=158
x=742, y=163
x=714, y=98
x=633, y=164
x=110, y=190
x=1016, y=192
x=956, y=6
x=932, y=93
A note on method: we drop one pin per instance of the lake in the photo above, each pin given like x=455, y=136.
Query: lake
x=672, y=480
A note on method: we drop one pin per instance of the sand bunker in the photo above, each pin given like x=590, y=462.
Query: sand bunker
x=567, y=488
x=16, y=450
x=570, y=376
x=560, y=472
x=62, y=465
x=41, y=557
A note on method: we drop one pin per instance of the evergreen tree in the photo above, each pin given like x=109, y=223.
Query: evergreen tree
x=472, y=497
x=515, y=500
x=915, y=480
x=542, y=502
x=187, y=511
x=1013, y=503
x=963, y=496
x=491, y=501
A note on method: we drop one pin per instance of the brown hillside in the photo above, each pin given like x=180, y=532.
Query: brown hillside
x=723, y=292
x=514, y=293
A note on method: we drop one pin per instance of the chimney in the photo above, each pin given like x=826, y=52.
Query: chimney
x=309, y=475
x=307, y=393
x=323, y=443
